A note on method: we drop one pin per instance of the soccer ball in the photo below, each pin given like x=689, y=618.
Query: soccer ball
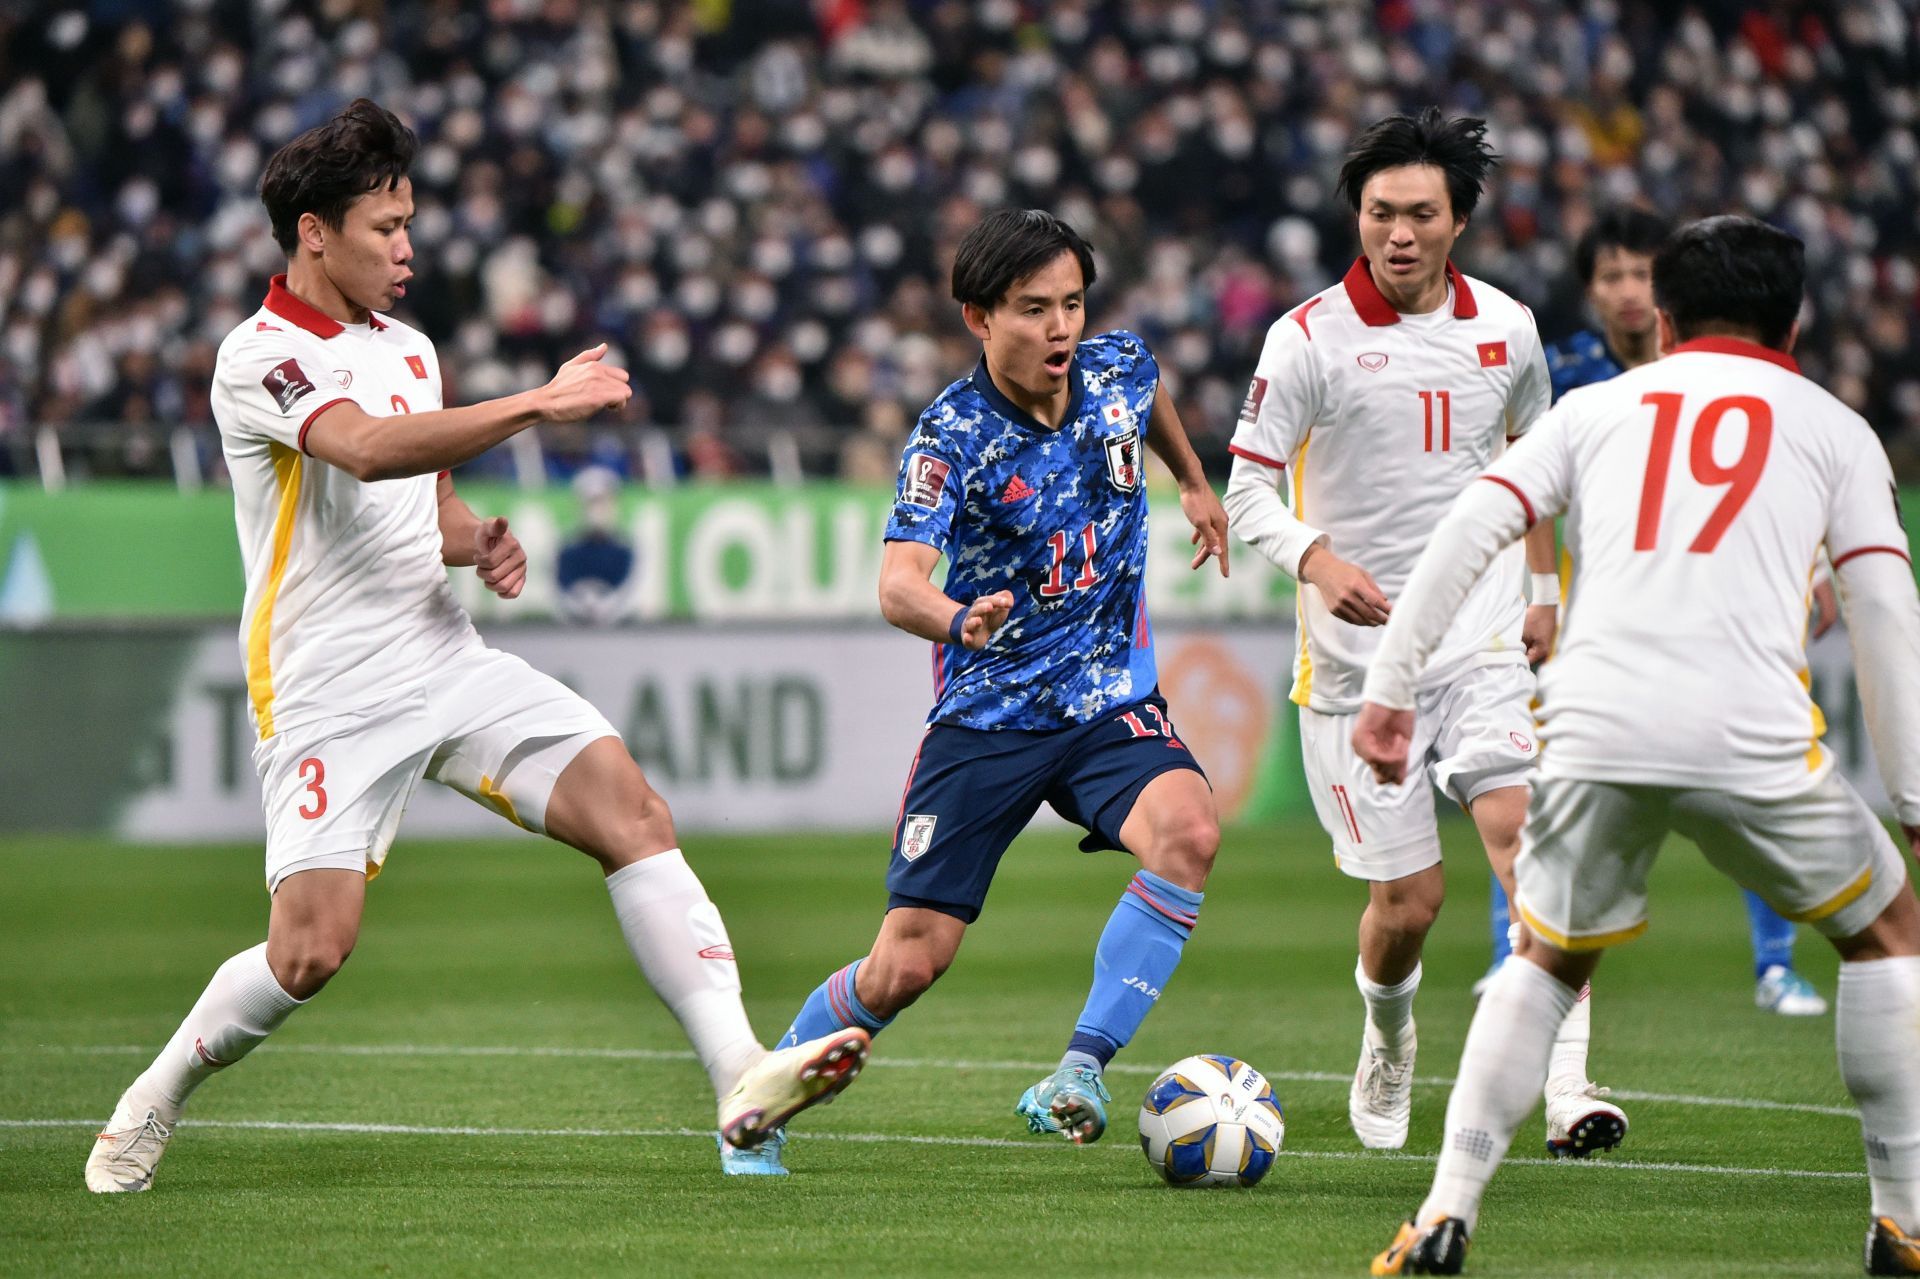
x=1211, y=1121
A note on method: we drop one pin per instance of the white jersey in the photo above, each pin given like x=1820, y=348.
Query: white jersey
x=1698, y=490
x=1383, y=419
x=347, y=600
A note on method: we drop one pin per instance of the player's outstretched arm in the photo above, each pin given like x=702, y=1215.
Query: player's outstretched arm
x=1882, y=609
x=1167, y=437
x=910, y=600
x=390, y=448
x=487, y=546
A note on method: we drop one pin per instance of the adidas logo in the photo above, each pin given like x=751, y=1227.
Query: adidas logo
x=1017, y=490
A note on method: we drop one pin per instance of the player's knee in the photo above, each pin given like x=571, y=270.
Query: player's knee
x=307, y=963
x=639, y=825
x=1187, y=848
x=902, y=980
x=1408, y=906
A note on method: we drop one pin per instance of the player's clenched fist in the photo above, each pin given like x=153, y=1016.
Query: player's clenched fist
x=1383, y=739
x=1349, y=591
x=984, y=618
x=499, y=558
x=585, y=385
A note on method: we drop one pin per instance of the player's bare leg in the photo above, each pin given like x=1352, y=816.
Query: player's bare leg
x=1580, y=1119
x=1393, y=931
x=1173, y=831
x=311, y=930
x=1878, y=1029
x=603, y=806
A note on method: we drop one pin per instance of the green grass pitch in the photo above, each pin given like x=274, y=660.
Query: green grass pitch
x=488, y=1087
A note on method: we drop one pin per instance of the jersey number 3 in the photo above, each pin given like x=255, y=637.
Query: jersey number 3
x=1741, y=478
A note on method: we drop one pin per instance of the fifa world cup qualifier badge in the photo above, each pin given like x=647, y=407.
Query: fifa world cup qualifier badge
x=1123, y=446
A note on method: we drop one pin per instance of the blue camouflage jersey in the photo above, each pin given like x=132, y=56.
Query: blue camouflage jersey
x=1057, y=517
x=1580, y=360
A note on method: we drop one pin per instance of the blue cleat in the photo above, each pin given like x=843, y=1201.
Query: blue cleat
x=762, y=1161
x=1072, y=1101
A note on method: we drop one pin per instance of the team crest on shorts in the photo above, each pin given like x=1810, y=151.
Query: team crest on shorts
x=1123, y=460
x=916, y=835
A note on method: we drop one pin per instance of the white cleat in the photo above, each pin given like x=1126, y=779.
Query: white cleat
x=127, y=1151
x=1582, y=1122
x=788, y=1080
x=1781, y=990
x=1381, y=1100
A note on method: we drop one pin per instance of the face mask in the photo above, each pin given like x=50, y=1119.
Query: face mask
x=667, y=348
x=779, y=383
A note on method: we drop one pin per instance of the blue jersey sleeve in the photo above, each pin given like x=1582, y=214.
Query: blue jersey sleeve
x=928, y=496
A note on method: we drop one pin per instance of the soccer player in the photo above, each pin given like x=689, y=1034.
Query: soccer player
x=1027, y=475
x=1383, y=397
x=1677, y=701
x=365, y=675
x=1615, y=261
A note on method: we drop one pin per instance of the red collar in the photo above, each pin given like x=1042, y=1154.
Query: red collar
x=1372, y=305
x=282, y=302
x=1739, y=346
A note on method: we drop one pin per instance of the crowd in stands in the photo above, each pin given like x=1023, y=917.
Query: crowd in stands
x=756, y=202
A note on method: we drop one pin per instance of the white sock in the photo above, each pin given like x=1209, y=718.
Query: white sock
x=241, y=1006
x=1878, y=1029
x=1389, y=1008
x=1567, y=1067
x=680, y=942
x=1501, y=1069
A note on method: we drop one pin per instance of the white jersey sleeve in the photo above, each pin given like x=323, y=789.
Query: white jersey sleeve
x=273, y=391
x=1285, y=398
x=1532, y=391
x=1873, y=566
x=1539, y=469
x=1282, y=403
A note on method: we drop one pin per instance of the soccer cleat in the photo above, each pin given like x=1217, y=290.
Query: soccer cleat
x=1782, y=990
x=1581, y=1122
x=126, y=1153
x=1437, y=1248
x=788, y=1080
x=1891, y=1250
x=1381, y=1100
x=1071, y=1101
x=762, y=1161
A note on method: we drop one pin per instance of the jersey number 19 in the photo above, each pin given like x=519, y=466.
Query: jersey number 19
x=1741, y=478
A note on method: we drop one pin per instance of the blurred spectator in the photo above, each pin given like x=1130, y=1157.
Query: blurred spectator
x=759, y=201
x=596, y=561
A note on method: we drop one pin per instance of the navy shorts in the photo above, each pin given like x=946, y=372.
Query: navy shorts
x=971, y=791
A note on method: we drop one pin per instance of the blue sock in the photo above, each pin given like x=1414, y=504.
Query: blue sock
x=1499, y=916
x=1772, y=936
x=1136, y=957
x=832, y=1006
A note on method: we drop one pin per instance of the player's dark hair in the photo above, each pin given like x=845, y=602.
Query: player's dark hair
x=1631, y=229
x=323, y=171
x=1009, y=245
x=1457, y=147
x=1731, y=275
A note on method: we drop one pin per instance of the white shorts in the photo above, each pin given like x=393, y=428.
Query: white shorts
x=487, y=725
x=1820, y=857
x=1473, y=736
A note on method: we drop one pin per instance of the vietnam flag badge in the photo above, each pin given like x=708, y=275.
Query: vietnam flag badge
x=1493, y=355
